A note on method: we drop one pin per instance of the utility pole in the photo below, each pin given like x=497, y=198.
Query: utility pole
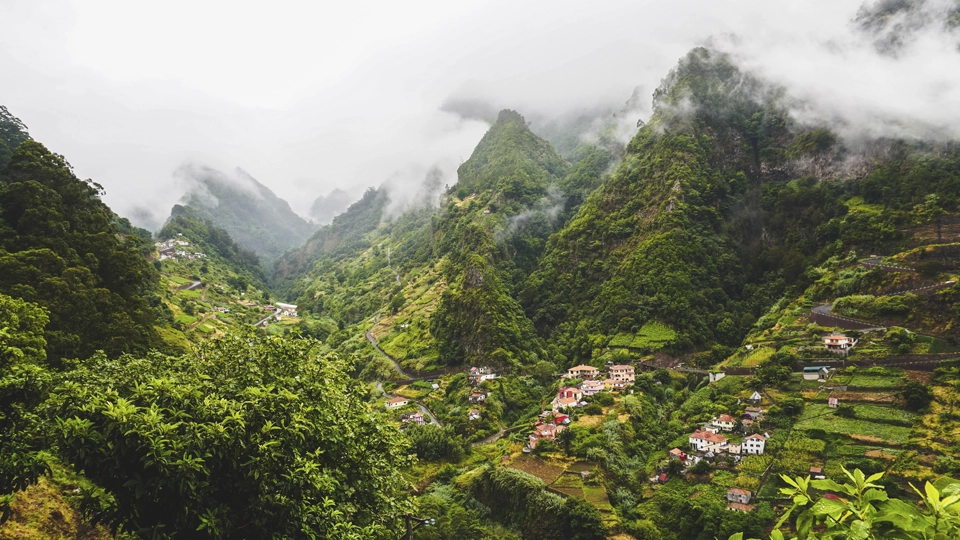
x=414, y=523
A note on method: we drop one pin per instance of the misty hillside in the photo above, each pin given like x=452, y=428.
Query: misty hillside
x=253, y=215
x=446, y=277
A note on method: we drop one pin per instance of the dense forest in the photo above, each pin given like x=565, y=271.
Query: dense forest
x=406, y=373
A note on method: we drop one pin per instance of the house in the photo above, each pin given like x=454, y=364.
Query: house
x=592, y=387
x=480, y=374
x=619, y=385
x=739, y=507
x=477, y=397
x=622, y=373
x=724, y=422
x=659, y=479
x=707, y=441
x=413, y=418
x=817, y=473
x=755, y=398
x=833, y=402
x=737, y=495
x=396, y=403
x=570, y=392
x=289, y=310
x=269, y=308
x=562, y=404
x=544, y=431
x=745, y=425
x=754, y=413
x=678, y=454
x=753, y=444
x=582, y=372
x=473, y=414
x=815, y=373
x=839, y=343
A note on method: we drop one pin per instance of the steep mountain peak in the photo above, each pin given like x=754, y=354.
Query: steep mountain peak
x=512, y=160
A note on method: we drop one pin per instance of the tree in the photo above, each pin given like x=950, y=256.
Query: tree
x=251, y=436
x=58, y=249
x=23, y=385
x=584, y=520
x=916, y=395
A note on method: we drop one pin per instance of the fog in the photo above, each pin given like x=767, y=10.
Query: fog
x=310, y=97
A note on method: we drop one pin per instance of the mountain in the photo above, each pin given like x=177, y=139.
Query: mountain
x=253, y=215
x=445, y=278
x=327, y=207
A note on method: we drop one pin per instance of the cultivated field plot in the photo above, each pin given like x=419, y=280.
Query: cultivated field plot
x=819, y=417
x=546, y=471
x=570, y=484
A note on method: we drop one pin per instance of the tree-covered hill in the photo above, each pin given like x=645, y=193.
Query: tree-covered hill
x=253, y=215
x=720, y=204
x=59, y=249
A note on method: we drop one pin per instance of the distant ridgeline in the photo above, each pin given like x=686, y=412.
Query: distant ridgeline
x=719, y=206
x=255, y=217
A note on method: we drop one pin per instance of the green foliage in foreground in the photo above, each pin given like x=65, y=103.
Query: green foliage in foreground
x=23, y=385
x=249, y=437
x=861, y=510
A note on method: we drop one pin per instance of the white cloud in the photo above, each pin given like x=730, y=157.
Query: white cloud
x=309, y=96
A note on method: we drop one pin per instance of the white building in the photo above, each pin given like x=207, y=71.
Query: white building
x=753, y=444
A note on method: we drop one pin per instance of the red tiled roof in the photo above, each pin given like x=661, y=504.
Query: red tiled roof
x=708, y=436
x=740, y=506
x=726, y=418
x=738, y=491
x=756, y=436
x=620, y=367
x=397, y=400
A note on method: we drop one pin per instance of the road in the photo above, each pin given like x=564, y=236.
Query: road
x=491, y=439
x=853, y=324
x=373, y=341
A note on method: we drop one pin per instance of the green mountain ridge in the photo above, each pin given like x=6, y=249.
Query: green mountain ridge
x=253, y=215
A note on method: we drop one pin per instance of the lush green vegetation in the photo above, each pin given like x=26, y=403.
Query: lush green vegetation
x=58, y=250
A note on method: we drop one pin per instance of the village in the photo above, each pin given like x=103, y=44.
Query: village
x=168, y=250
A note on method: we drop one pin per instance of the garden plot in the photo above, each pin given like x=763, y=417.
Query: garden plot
x=819, y=417
x=549, y=472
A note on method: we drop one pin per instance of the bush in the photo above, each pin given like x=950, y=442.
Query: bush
x=593, y=409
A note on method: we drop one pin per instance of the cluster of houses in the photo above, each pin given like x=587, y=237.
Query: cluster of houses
x=281, y=309
x=708, y=442
x=548, y=426
x=555, y=420
x=476, y=376
x=618, y=378
x=168, y=250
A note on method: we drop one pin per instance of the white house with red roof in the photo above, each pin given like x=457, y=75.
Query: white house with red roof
x=724, y=422
x=396, y=403
x=753, y=444
x=707, y=441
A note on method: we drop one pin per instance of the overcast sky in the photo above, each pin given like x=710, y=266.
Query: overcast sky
x=310, y=96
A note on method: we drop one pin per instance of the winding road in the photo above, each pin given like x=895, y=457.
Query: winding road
x=373, y=341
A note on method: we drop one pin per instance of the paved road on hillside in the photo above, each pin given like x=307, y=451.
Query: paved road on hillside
x=373, y=341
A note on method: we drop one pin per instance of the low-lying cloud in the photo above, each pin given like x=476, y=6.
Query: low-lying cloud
x=310, y=98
